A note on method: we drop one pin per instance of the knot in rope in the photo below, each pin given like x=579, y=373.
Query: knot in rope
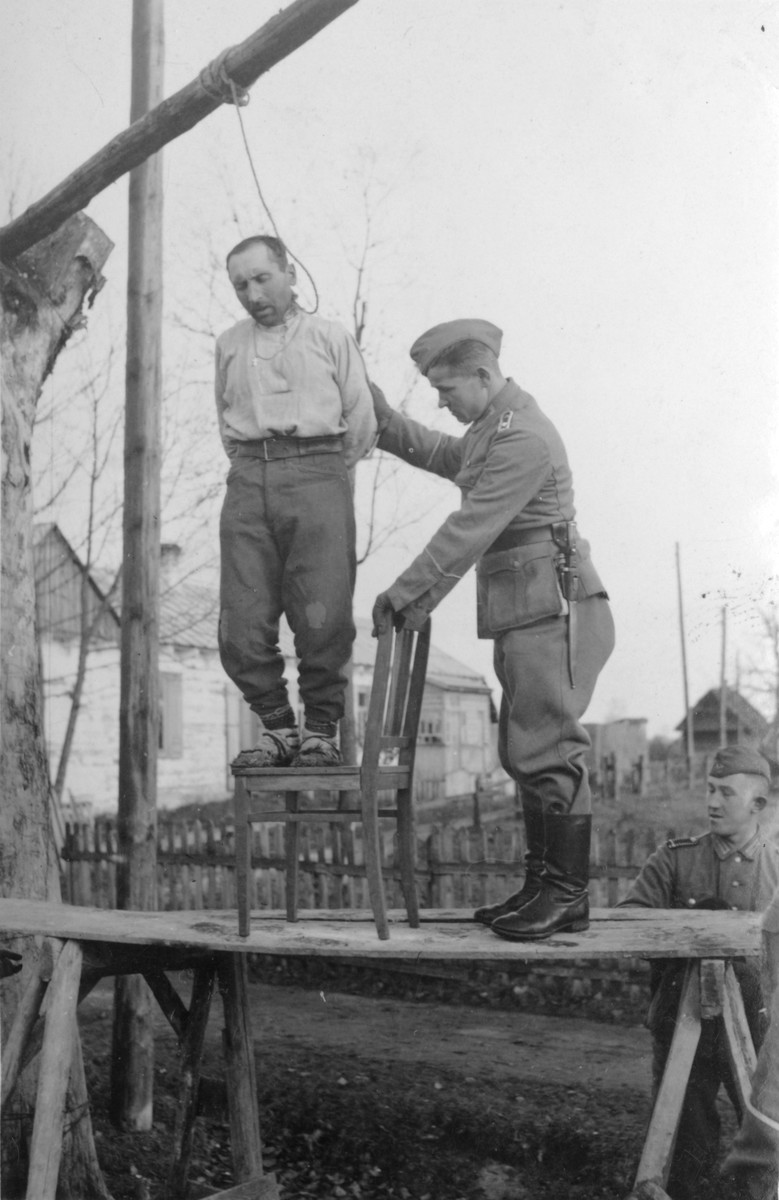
x=216, y=82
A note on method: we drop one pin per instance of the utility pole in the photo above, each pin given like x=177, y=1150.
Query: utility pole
x=132, y=1066
x=723, y=689
x=687, y=709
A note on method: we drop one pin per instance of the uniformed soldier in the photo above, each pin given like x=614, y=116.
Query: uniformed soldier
x=538, y=596
x=752, y=1167
x=735, y=865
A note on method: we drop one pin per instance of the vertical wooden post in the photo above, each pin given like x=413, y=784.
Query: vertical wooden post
x=687, y=709
x=239, y=1068
x=132, y=1073
x=56, y=1055
x=723, y=690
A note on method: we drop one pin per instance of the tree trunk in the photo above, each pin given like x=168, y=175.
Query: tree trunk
x=42, y=299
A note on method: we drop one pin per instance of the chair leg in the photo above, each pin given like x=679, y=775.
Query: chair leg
x=406, y=857
x=243, y=857
x=292, y=852
x=371, y=837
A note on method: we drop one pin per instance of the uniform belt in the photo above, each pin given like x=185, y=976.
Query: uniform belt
x=511, y=538
x=284, y=447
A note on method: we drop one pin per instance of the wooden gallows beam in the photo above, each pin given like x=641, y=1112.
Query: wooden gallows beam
x=244, y=64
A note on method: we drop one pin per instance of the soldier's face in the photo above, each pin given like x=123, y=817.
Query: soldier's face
x=262, y=285
x=466, y=396
x=733, y=807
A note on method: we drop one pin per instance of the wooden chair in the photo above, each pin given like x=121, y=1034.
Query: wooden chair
x=387, y=766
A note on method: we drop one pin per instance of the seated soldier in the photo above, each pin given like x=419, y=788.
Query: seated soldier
x=732, y=866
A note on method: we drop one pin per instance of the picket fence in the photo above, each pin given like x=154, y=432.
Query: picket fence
x=456, y=867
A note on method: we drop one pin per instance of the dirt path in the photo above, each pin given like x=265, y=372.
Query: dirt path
x=467, y=1040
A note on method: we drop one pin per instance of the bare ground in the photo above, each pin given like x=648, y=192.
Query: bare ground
x=384, y=1098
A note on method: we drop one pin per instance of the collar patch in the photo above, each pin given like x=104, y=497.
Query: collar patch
x=505, y=420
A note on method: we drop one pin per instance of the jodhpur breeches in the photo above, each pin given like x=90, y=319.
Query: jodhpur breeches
x=541, y=740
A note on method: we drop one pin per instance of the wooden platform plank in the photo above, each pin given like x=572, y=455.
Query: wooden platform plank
x=613, y=933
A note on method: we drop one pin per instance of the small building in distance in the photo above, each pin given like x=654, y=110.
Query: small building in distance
x=745, y=726
x=618, y=758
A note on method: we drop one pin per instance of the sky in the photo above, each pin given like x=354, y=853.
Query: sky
x=597, y=178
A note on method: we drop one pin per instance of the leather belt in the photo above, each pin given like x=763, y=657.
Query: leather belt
x=510, y=538
x=284, y=447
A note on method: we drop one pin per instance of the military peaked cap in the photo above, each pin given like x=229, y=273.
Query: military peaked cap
x=739, y=760
x=429, y=345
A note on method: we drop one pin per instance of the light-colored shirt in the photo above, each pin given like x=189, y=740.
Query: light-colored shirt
x=304, y=378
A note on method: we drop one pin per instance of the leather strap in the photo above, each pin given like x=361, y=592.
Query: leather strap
x=269, y=449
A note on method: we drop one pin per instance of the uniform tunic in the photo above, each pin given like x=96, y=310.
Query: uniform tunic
x=513, y=474
x=704, y=872
x=295, y=413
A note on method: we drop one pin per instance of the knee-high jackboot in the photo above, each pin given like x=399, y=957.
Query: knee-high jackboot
x=562, y=902
x=534, y=858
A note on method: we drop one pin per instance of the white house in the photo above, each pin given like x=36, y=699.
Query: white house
x=204, y=721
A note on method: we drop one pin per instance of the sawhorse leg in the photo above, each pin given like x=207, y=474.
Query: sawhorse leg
x=56, y=1055
x=710, y=989
x=192, y=1053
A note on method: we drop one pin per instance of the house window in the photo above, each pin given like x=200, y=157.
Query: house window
x=363, y=697
x=429, y=732
x=171, y=722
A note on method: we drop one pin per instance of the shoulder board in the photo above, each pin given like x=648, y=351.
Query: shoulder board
x=678, y=843
x=505, y=420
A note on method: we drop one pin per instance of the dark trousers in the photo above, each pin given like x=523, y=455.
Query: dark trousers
x=541, y=740
x=288, y=546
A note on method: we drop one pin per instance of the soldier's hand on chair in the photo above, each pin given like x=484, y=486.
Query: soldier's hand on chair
x=383, y=614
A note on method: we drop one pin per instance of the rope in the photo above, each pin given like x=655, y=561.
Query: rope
x=220, y=86
x=263, y=202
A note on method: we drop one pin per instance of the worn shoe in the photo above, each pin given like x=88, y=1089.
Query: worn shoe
x=317, y=750
x=275, y=748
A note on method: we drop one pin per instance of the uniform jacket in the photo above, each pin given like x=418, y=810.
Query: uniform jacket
x=705, y=871
x=304, y=379
x=513, y=473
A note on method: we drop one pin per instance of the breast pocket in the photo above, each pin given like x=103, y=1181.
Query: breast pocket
x=516, y=588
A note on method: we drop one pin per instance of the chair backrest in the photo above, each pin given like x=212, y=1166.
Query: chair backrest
x=396, y=697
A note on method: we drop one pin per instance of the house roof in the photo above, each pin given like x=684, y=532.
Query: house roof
x=739, y=712
x=442, y=670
